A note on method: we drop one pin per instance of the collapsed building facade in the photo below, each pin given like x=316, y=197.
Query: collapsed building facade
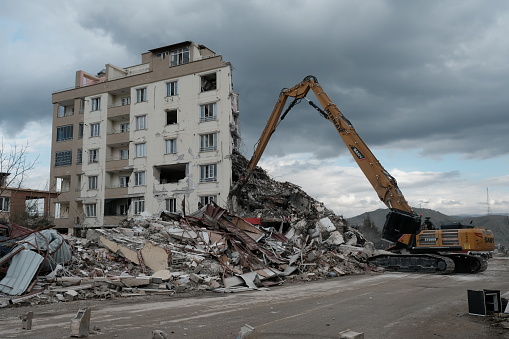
x=142, y=139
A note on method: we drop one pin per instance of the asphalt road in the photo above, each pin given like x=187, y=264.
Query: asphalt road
x=389, y=305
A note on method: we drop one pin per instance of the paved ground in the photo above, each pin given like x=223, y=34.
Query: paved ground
x=390, y=305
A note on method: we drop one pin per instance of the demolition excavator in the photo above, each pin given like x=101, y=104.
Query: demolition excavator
x=415, y=247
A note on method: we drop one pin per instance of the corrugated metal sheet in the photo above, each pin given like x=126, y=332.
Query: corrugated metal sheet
x=22, y=270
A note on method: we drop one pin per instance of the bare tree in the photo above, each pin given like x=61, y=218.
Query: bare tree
x=14, y=165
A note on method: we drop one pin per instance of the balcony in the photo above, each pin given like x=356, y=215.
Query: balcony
x=118, y=111
x=116, y=164
x=115, y=192
x=117, y=138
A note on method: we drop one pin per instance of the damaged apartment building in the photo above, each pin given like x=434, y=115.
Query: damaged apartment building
x=142, y=139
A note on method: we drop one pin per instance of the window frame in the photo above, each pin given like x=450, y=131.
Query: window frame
x=139, y=178
x=206, y=144
x=208, y=173
x=205, y=109
x=140, y=150
x=5, y=204
x=141, y=95
x=172, y=88
x=90, y=210
x=171, y=205
x=139, y=206
x=79, y=156
x=65, y=132
x=180, y=56
x=123, y=181
x=141, y=122
x=63, y=158
x=170, y=146
x=124, y=154
x=95, y=129
x=93, y=156
x=95, y=104
x=92, y=182
x=206, y=199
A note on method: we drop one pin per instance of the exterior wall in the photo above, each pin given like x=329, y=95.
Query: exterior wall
x=113, y=88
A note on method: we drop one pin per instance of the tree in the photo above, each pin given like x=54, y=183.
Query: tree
x=14, y=165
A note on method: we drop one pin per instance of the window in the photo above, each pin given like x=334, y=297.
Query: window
x=208, y=173
x=64, y=111
x=82, y=106
x=125, y=101
x=92, y=182
x=141, y=122
x=141, y=150
x=208, y=82
x=180, y=56
x=64, y=133
x=80, y=130
x=95, y=129
x=208, y=142
x=5, y=203
x=124, y=181
x=171, y=117
x=90, y=210
x=63, y=158
x=124, y=127
x=139, y=206
x=124, y=154
x=61, y=111
x=141, y=94
x=171, y=205
x=171, y=88
x=79, y=156
x=93, y=156
x=204, y=200
x=139, y=178
x=96, y=104
x=171, y=146
x=208, y=112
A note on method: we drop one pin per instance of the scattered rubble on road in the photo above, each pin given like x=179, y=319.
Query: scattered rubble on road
x=279, y=234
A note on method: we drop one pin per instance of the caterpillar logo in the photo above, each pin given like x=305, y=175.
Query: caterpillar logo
x=430, y=239
x=357, y=153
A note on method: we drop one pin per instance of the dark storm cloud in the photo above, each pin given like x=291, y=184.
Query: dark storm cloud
x=407, y=71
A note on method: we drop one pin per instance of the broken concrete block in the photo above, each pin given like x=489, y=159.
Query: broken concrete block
x=247, y=332
x=349, y=334
x=165, y=275
x=335, y=238
x=70, y=294
x=80, y=324
x=26, y=320
x=195, y=278
x=325, y=225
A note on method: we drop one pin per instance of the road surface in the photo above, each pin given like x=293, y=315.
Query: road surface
x=389, y=305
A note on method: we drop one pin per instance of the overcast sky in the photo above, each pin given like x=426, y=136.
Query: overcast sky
x=424, y=83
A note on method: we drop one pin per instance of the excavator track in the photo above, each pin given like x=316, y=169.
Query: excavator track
x=465, y=263
x=419, y=263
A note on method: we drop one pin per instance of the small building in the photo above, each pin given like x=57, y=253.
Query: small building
x=141, y=139
x=13, y=201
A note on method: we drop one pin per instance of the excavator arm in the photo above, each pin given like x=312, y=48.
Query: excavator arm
x=384, y=184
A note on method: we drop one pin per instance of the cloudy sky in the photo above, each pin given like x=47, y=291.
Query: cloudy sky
x=424, y=83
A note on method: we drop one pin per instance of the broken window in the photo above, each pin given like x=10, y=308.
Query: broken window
x=116, y=206
x=171, y=88
x=92, y=182
x=171, y=146
x=171, y=117
x=90, y=210
x=64, y=132
x=80, y=130
x=139, y=205
x=208, y=173
x=63, y=158
x=141, y=94
x=93, y=156
x=141, y=150
x=208, y=82
x=170, y=173
x=171, y=205
x=141, y=122
x=96, y=104
x=208, y=142
x=208, y=112
x=139, y=178
x=95, y=129
x=180, y=56
x=5, y=202
x=207, y=199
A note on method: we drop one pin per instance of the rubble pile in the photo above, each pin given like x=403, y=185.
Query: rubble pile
x=278, y=234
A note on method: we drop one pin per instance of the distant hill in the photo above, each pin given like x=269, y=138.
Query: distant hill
x=499, y=224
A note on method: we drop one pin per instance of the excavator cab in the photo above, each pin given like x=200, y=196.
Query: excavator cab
x=398, y=223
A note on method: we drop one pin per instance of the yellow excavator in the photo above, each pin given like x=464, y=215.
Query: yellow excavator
x=416, y=246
